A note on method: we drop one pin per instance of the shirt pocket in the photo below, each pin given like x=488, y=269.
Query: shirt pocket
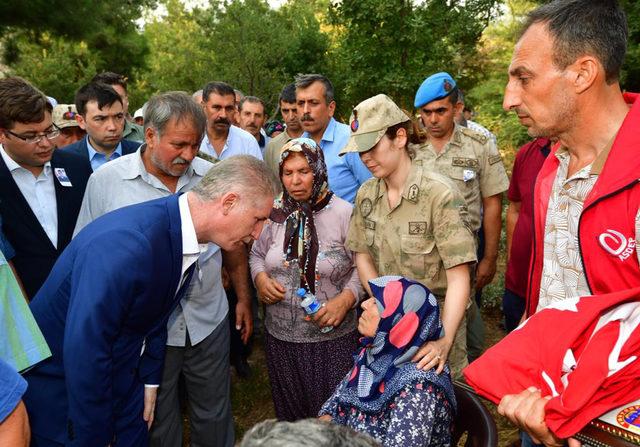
x=465, y=178
x=418, y=256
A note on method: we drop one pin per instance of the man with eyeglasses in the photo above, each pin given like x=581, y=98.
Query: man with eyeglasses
x=101, y=114
x=41, y=189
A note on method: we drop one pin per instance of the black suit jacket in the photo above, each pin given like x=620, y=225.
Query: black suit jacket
x=80, y=148
x=35, y=254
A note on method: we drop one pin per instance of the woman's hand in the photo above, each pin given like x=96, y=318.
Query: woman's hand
x=333, y=311
x=433, y=353
x=270, y=291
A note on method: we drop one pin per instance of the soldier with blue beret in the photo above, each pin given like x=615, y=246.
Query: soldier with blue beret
x=474, y=164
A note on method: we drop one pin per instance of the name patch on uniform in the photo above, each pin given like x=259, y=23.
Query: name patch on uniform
x=365, y=207
x=413, y=192
x=417, y=228
x=464, y=162
x=495, y=159
x=369, y=224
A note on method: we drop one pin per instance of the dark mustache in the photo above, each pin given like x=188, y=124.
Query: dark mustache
x=222, y=121
x=306, y=117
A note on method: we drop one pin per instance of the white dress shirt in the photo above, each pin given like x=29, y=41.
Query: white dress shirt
x=39, y=192
x=239, y=142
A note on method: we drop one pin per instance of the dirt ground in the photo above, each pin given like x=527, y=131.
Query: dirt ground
x=251, y=399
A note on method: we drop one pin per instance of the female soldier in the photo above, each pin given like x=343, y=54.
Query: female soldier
x=411, y=222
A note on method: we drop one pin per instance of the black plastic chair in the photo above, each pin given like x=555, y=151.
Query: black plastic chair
x=474, y=419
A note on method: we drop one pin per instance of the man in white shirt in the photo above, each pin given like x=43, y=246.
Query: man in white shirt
x=222, y=139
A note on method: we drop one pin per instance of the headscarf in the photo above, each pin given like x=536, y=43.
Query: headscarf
x=300, y=237
x=409, y=318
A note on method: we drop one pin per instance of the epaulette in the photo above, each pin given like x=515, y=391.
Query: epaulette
x=481, y=138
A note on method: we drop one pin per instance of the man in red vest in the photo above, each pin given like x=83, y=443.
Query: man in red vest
x=564, y=85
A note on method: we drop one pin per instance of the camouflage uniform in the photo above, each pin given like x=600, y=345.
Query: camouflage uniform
x=272, y=152
x=472, y=161
x=423, y=235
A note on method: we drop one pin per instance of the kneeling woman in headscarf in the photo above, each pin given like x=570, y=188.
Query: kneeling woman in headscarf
x=384, y=394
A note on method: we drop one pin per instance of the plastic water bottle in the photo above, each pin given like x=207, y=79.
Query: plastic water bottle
x=311, y=305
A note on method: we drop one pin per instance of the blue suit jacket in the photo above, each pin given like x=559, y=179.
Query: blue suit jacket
x=80, y=148
x=109, y=294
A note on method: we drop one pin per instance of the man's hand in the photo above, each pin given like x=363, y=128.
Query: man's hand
x=526, y=410
x=485, y=272
x=150, y=394
x=244, y=320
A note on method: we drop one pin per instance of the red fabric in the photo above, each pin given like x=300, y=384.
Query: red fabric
x=612, y=204
x=601, y=379
x=529, y=160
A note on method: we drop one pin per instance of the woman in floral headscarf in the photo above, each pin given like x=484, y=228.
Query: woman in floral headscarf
x=303, y=247
x=385, y=394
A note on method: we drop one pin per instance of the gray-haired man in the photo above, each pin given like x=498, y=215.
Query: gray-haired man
x=198, y=332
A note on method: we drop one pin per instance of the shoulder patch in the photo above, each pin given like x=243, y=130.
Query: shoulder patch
x=365, y=207
x=495, y=159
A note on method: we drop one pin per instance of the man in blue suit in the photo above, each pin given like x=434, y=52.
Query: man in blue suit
x=102, y=115
x=104, y=307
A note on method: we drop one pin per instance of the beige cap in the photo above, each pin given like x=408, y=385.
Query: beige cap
x=370, y=120
x=64, y=115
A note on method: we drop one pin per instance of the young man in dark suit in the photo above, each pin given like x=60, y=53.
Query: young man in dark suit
x=101, y=114
x=41, y=188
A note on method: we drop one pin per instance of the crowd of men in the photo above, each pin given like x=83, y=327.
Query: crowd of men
x=127, y=313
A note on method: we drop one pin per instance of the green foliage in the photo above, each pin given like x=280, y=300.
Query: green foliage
x=57, y=66
x=243, y=42
x=77, y=19
x=107, y=29
x=180, y=57
x=631, y=69
x=391, y=46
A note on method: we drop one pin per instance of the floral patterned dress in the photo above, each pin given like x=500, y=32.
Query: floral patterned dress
x=418, y=416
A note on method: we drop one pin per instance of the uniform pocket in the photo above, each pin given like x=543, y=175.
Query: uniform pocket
x=418, y=256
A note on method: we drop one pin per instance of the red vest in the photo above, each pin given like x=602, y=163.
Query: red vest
x=606, y=228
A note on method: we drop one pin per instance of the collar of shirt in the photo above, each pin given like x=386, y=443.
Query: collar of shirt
x=413, y=178
x=190, y=247
x=94, y=153
x=328, y=134
x=137, y=169
x=13, y=166
x=593, y=168
x=208, y=148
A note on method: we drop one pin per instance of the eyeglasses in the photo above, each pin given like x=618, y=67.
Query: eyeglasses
x=37, y=138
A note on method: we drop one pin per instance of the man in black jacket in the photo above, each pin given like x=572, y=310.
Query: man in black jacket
x=41, y=188
x=101, y=114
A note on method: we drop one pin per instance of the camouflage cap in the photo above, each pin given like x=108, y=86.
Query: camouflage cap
x=64, y=115
x=370, y=120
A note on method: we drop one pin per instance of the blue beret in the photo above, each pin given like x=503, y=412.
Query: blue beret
x=435, y=87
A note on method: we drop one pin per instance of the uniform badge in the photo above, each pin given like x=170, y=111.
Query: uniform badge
x=417, y=228
x=495, y=159
x=355, y=124
x=413, y=192
x=447, y=85
x=365, y=207
x=468, y=174
x=369, y=224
